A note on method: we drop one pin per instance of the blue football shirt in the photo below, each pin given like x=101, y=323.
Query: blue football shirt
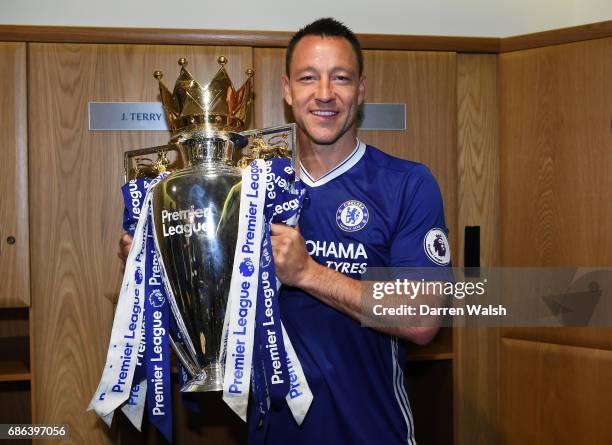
x=372, y=210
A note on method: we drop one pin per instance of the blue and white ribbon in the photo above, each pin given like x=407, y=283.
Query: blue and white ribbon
x=135, y=350
x=253, y=334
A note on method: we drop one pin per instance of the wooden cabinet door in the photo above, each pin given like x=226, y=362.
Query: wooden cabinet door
x=76, y=203
x=14, y=235
x=556, y=210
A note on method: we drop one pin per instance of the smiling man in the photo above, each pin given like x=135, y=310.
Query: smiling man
x=367, y=209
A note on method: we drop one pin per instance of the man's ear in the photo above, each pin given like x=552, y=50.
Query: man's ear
x=361, y=90
x=286, y=90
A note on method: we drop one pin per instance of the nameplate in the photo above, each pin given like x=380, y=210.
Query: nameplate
x=150, y=116
x=383, y=116
x=127, y=116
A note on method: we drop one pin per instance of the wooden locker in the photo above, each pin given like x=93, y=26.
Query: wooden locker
x=14, y=235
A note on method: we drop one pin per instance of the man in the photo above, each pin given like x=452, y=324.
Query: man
x=366, y=209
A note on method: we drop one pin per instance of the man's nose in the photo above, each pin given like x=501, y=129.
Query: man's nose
x=325, y=91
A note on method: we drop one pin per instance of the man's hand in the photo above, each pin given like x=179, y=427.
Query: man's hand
x=291, y=259
x=125, y=244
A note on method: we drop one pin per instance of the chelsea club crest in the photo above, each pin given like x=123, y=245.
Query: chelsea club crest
x=352, y=215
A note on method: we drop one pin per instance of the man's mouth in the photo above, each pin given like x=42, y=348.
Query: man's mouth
x=324, y=113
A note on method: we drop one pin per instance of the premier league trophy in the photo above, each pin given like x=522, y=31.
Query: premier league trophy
x=182, y=205
x=195, y=214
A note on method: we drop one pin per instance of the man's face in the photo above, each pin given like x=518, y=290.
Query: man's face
x=324, y=89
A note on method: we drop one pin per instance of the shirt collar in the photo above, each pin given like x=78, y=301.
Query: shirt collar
x=339, y=169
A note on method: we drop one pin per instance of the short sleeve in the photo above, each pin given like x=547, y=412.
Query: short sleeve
x=421, y=237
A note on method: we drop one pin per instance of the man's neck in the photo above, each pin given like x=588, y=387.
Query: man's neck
x=319, y=159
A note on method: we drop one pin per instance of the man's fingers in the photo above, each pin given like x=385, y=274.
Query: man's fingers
x=282, y=229
x=279, y=229
x=125, y=239
x=125, y=244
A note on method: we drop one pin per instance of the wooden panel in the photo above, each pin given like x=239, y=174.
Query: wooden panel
x=555, y=394
x=14, y=258
x=556, y=151
x=598, y=338
x=79, y=34
x=556, y=106
x=75, y=179
x=426, y=83
x=270, y=107
x=557, y=36
x=476, y=349
x=276, y=39
x=478, y=153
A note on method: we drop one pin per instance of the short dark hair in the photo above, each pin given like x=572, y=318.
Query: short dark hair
x=325, y=27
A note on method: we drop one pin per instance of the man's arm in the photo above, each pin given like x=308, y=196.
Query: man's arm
x=294, y=267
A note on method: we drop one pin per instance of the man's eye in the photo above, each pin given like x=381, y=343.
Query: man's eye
x=342, y=78
x=306, y=78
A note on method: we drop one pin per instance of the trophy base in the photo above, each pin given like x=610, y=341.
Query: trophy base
x=208, y=379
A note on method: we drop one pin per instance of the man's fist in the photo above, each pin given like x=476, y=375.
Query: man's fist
x=125, y=244
x=291, y=259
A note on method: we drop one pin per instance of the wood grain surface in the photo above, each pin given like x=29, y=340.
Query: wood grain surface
x=260, y=39
x=478, y=153
x=556, y=152
x=476, y=364
x=556, y=190
x=76, y=208
x=555, y=394
x=275, y=39
x=14, y=258
x=571, y=34
x=270, y=107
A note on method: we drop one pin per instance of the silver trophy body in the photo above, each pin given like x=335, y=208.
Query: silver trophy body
x=195, y=215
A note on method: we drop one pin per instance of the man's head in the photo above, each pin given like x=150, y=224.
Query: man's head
x=324, y=84
x=326, y=27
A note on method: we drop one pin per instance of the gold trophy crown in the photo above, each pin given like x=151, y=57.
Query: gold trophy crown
x=217, y=106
